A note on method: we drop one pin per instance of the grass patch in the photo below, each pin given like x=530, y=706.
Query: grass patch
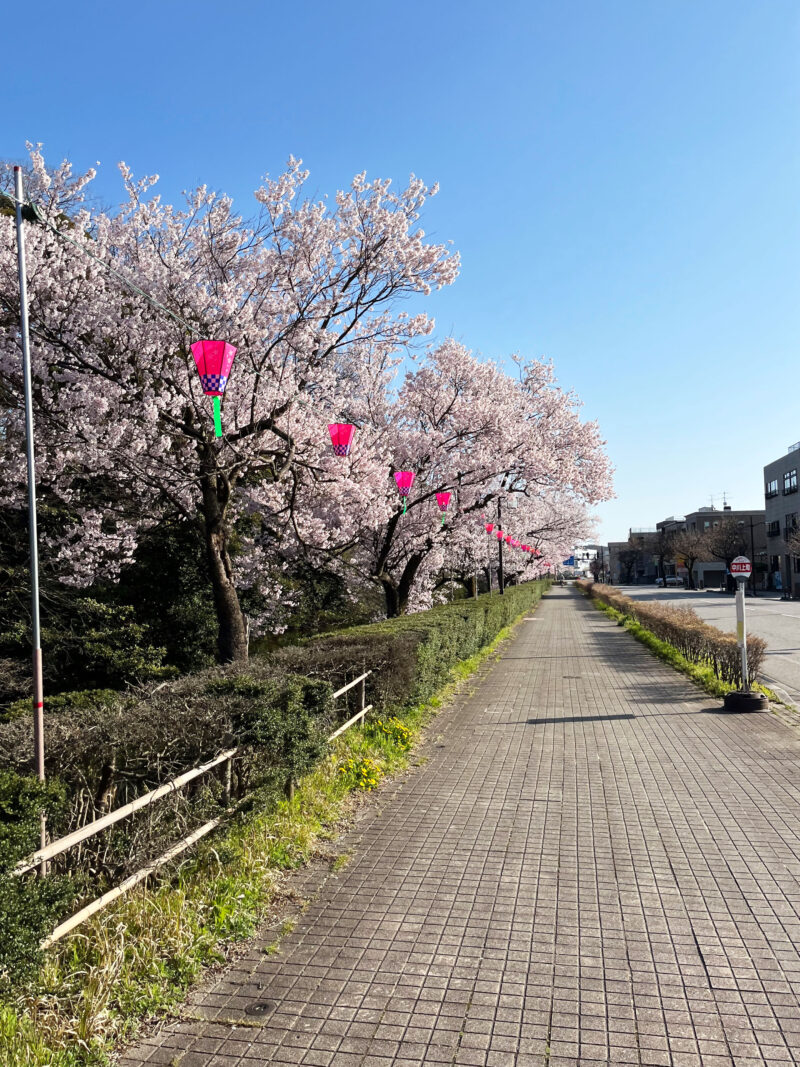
x=703, y=676
x=138, y=958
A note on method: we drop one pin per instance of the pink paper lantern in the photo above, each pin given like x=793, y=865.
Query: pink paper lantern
x=341, y=437
x=489, y=527
x=214, y=360
x=404, y=479
x=507, y=539
x=443, y=499
x=500, y=535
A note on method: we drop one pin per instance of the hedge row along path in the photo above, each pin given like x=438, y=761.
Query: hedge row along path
x=595, y=866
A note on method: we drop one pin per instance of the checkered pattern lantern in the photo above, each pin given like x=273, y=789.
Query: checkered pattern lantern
x=341, y=437
x=214, y=360
x=404, y=479
x=443, y=500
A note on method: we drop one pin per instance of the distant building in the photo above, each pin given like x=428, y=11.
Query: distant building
x=589, y=558
x=631, y=562
x=781, y=508
x=711, y=574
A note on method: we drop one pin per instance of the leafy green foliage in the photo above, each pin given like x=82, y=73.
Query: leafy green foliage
x=392, y=730
x=288, y=720
x=29, y=905
x=79, y=699
x=99, y=644
x=360, y=772
x=169, y=586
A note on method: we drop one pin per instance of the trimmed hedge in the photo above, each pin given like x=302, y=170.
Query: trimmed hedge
x=697, y=641
x=412, y=656
x=104, y=748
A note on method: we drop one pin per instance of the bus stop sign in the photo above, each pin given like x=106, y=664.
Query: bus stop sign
x=741, y=568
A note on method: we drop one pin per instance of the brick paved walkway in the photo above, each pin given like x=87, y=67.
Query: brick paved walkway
x=595, y=866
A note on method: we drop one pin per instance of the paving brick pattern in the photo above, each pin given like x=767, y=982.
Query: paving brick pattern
x=595, y=866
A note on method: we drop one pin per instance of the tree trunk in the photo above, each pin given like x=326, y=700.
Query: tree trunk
x=232, y=644
x=398, y=596
x=231, y=626
x=392, y=596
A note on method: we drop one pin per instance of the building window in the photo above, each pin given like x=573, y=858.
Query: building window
x=773, y=528
x=772, y=488
x=791, y=525
x=790, y=482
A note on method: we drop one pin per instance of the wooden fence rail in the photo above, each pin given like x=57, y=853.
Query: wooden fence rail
x=55, y=848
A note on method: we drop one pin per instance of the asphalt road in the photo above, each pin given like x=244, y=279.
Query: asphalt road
x=776, y=620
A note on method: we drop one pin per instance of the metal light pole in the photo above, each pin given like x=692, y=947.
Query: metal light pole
x=38, y=697
x=500, y=581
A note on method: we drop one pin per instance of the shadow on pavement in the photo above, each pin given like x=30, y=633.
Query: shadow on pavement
x=564, y=718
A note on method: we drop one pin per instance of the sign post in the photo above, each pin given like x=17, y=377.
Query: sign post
x=743, y=699
x=741, y=569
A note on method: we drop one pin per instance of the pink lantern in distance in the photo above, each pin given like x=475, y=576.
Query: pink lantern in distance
x=404, y=479
x=341, y=437
x=443, y=500
x=489, y=527
x=214, y=360
x=507, y=539
x=500, y=535
x=514, y=543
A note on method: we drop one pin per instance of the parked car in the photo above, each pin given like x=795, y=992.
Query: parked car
x=671, y=579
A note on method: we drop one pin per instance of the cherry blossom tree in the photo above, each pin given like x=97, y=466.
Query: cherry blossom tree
x=467, y=427
x=307, y=291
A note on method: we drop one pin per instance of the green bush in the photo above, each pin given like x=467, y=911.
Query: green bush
x=29, y=906
x=100, y=645
x=288, y=719
x=80, y=698
x=412, y=656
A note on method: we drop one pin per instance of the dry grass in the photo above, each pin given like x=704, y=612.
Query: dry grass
x=697, y=641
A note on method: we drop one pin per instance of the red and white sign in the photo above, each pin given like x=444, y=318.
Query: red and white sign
x=741, y=567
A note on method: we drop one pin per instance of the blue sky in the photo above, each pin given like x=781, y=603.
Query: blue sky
x=621, y=179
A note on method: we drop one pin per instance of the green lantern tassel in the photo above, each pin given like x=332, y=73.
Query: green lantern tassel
x=217, y=417
x=405, y=504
